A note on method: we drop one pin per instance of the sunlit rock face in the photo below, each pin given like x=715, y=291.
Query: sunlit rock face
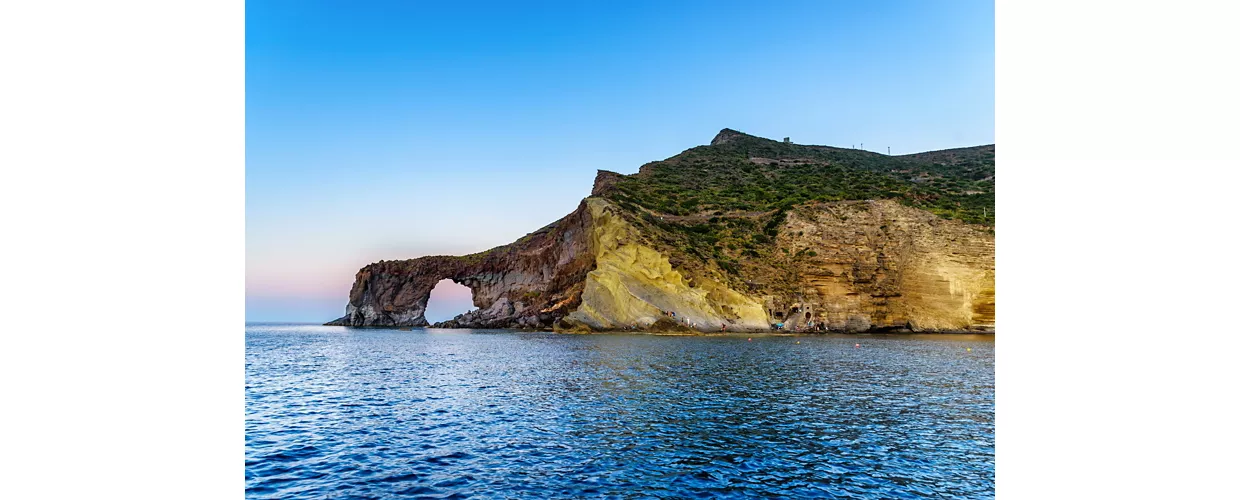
x=879, y=264
x=635, y=286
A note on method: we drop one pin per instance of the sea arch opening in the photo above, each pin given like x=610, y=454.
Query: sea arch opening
x=448, y=300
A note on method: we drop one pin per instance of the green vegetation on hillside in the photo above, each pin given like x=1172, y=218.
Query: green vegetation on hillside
x=752, y=175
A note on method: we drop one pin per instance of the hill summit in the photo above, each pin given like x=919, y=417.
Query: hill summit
x=726, y=135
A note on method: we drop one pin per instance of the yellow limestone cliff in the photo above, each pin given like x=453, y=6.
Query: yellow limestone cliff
x=879, y=264
x=633, y=285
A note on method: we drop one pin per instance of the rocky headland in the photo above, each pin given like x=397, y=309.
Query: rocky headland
x=740, y=235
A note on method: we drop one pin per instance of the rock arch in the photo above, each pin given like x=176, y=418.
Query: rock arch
x=527, y=284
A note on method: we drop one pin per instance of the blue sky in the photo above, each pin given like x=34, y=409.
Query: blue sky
x=390, y=130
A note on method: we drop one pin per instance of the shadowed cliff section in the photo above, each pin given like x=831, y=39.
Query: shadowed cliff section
x=738, y=235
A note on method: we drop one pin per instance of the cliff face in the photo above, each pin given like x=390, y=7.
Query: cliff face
x=620, y=262
x=878, y=264
x=632, y=284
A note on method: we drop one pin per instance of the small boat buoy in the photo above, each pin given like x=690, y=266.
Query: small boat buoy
x=798, y=341
x=856, y=345
x=750, y=339
x=968, y=349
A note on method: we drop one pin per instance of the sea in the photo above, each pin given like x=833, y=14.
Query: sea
x=336, y=412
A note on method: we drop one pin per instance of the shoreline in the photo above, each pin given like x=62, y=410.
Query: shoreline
x=695, y=333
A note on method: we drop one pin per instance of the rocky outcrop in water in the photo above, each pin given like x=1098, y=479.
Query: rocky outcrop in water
x=613, y=264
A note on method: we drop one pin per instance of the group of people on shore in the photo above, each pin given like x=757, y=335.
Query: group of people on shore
x=679, y=319
x=688, y=322
x=812, y=326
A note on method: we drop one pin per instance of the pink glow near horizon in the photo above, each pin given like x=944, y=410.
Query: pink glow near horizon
x=448, y=299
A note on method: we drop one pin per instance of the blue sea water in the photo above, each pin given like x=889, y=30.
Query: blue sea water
x=333, y=412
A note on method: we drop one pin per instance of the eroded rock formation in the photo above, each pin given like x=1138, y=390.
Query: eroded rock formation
x=608, y=265
x=527, y=284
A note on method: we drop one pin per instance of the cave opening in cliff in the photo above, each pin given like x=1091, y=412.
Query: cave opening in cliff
x=448, y=300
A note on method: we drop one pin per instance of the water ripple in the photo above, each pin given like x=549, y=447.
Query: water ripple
x=343, y=413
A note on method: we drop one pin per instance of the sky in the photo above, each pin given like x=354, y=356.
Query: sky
x=394, y=130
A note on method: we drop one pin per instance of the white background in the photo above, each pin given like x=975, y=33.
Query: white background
x=122, y=267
